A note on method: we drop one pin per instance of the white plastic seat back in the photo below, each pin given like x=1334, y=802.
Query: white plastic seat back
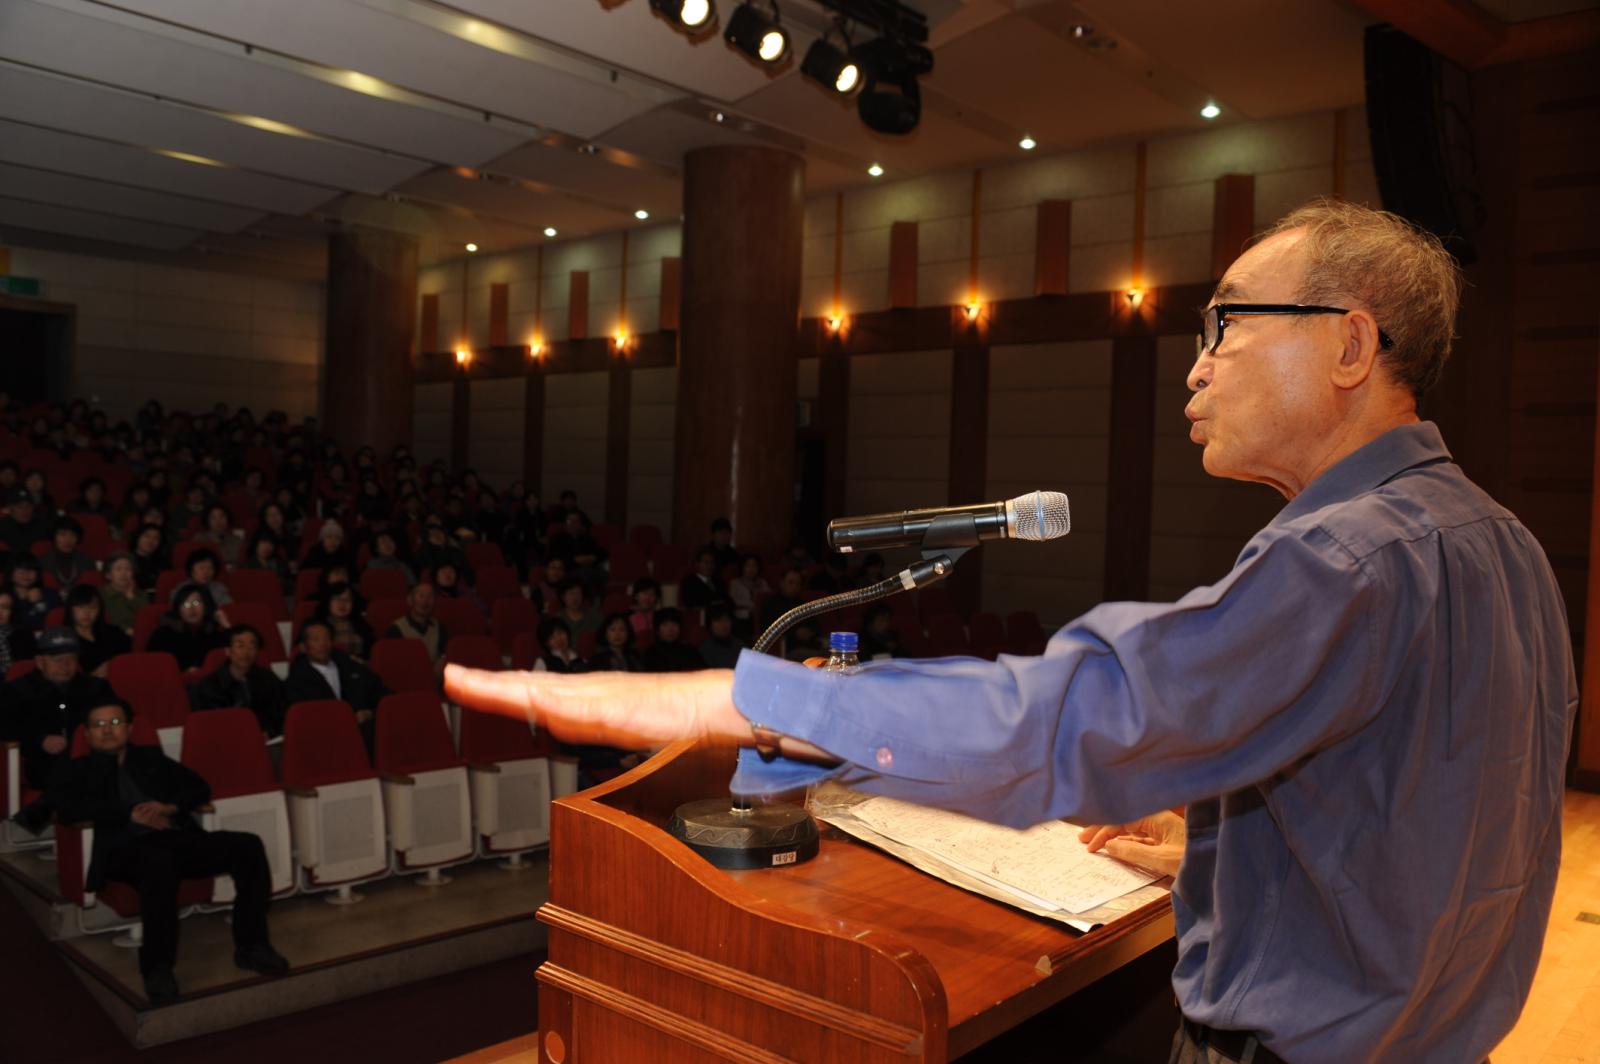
x=340, y=834
x=267, y=815
x=171, y=741
x=512, y=805
x=430, y=820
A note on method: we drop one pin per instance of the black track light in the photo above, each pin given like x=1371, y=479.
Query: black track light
x=690, y=15
x=756, y=35
x=831, y=67
x=891, y=100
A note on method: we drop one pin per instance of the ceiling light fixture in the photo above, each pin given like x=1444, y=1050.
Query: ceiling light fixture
x=831, y=66
x=688, y=15
x=891, y=98
x=1027, y=144
x=875, y=170
x=472, y=247
x=1210, y=110
x=756, y=35
x=549, y=230
x=641, y=214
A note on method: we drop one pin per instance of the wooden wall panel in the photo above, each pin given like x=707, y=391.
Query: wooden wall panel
x=499, y=314
x=1233, y=220
x=671, y=292
x=1052, y=248
x=428, y=334
x=1130, y=467
x=619, y=413
x=903, y=264
x=578, y=305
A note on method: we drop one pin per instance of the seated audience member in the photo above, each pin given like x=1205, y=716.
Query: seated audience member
x=745, y=589
x=329, y=550
x=272, y=518
x=567, y=504
x=341, y=610
x=791, y=589
x=133, y=506
x=10, y=478
x=65, y=561
x=559, y=655
x=240, y=682
x=833, y=577
x=721, y=544
x=721, y=647
x=220, y=534
x=576, y=608
x=191, y=629
x=40, y=711
x=418, y=623
x=189, y=510
x=16, y=644
x=33, y=483
x=701, y=587
x=373, y=504
x=149, y=556
x=524, y=540
x=582, y=552
x=804, y=641
x=265, y=552
x=489, y=519
x=871, y=571
x=121, y=596
x=386, y=555
x=615, y=652
x=142, y=805
x=878, y=638
x=669, y=653
x=646, y=599
x=98, y=641
x=439, y=549
x=34, y=601
x=24, y=525
x=546, y=587
x=323, y=671
x=92, y=500
x=202, y=568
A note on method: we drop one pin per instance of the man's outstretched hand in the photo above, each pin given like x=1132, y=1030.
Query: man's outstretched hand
x=1153, y=842
x=633, y=711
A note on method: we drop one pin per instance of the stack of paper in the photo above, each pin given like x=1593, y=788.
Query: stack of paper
x=1044, y=870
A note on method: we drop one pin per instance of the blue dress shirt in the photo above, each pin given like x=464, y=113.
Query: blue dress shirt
x=1368, y=719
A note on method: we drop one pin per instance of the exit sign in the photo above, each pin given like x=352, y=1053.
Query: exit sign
x=19, y=286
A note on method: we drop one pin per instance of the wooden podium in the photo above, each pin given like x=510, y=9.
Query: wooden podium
x=656, y=955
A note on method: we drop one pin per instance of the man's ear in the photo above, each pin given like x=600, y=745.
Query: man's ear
x=1358, y=349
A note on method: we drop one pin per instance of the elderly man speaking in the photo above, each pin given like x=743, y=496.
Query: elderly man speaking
x=1367, y=718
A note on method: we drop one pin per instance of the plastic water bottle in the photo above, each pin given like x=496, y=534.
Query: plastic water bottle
x=842, y=653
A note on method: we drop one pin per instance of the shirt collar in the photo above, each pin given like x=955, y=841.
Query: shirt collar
x=1369, y=466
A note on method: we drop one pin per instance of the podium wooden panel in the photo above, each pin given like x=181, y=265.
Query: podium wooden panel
x=853, y=956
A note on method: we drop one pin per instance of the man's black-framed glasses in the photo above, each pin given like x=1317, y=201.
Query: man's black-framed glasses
x=1214, y=319
x=105, y=722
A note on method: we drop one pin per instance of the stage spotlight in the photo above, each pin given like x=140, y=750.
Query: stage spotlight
x=757, y=35
x=831, y=68
x=689, y=15
x=891, y=100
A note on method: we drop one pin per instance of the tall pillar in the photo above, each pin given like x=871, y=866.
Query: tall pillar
x=371, y=320
x=743, y=211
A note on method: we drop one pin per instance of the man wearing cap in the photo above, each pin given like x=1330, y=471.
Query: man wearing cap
x=41, y=710
x=142, y=804
x=23, y=526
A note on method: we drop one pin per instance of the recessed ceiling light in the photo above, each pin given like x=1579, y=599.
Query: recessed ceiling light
x=549, y=230
x=1027, y=144
x=1210, y=110
x=1082, y=30
x=641, y=214
x=718, y=116
x=472, y=247
x=875, y=170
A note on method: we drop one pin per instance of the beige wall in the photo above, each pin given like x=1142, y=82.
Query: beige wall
x=430, y=422
x=495, y=432
x=190, y=338
x=575, y=412
x=650, y=448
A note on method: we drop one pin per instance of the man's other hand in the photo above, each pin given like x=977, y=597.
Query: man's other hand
x=634, y=711
x=53, y=744
x=1153, y=842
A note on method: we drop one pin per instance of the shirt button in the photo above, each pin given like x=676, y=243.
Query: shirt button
x=885, y=757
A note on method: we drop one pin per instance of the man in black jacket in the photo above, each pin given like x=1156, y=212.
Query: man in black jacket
x=142, y=805
x=321, y=672
x=240, y=682
x=41, y=710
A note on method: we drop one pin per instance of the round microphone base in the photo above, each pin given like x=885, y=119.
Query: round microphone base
x=733, y=837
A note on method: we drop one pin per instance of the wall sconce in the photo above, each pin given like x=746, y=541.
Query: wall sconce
x=620, y=340
x=535, y=347
x=1135, y=296
x=463, y=357
x=835, y=322
x=973, y=308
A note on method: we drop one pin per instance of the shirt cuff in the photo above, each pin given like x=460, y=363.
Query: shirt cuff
x=788, y=698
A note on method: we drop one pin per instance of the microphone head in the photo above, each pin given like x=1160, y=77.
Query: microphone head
x=1039, y=515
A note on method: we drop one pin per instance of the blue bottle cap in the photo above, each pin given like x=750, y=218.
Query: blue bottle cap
x=842, y=642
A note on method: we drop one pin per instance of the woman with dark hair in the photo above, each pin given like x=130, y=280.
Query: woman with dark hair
x=191, y=629
x=17, y=642
x=33, y=484
x=34, y=601
x=149, y=556
x=203, y=567
x=133, y=507
x=524, y=543
x=574, y=606
x=372, y=502
x=386, y=555
x=121, y=599
x=219, y=532
x=92, y=499
x=616, y=653
x=98, y=642
x=265, y=552
x=341, y=610
x=556, y=639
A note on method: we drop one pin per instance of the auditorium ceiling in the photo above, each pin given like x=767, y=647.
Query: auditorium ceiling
x=234, y=133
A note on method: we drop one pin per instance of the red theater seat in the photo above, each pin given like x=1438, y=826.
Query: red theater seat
x=511, y=617
x=226, y=747
x=152, y=685
x=425, y=795
x=335, y=806
x=403, y=665
x=475, y=652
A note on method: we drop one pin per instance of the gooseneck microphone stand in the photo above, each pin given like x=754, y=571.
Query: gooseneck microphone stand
x=742, y=835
